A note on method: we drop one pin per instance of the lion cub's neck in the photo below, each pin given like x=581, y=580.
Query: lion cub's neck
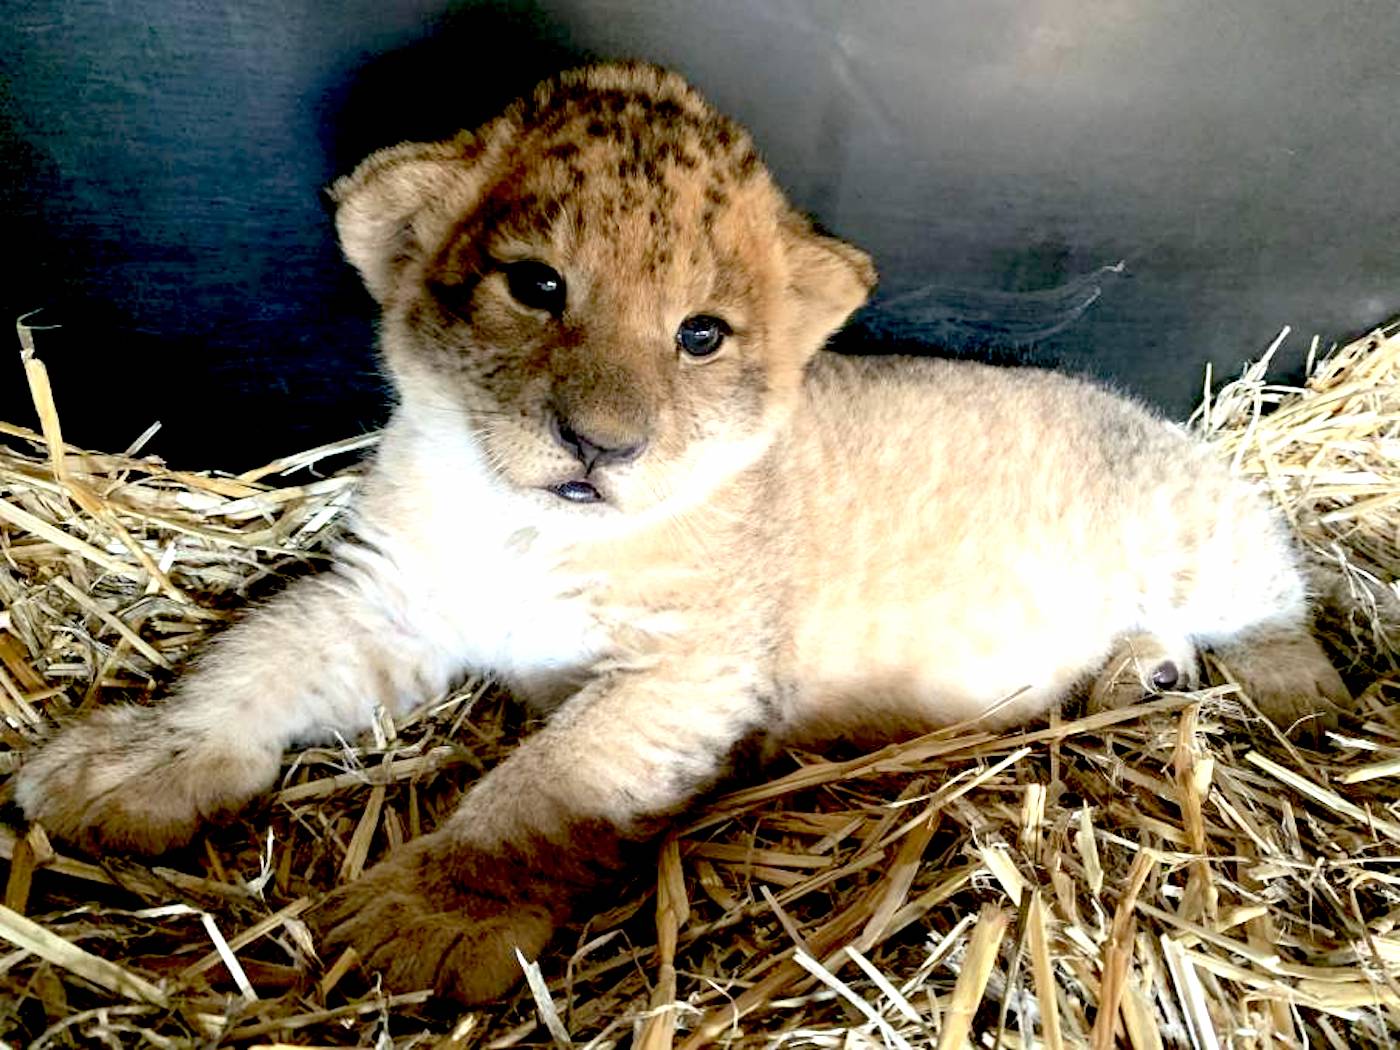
x=535, y=592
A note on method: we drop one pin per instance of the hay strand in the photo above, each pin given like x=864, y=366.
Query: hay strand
x=29, y=935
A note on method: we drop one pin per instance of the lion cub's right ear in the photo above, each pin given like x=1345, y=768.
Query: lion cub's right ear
x=401, y=202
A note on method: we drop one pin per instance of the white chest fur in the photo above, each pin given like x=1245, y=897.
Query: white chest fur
x=474, y=569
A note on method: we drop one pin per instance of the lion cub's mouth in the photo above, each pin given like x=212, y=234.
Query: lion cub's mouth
x=577, y=491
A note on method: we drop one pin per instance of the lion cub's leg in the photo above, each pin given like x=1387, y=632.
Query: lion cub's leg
x=1281, y=667
x=1140, y=665
x=1289, y=677
x=315, y=660
x=543, y=828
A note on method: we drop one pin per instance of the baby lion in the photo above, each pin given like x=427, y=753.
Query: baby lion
x=623, y=476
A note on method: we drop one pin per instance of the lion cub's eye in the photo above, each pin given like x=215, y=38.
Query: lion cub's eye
x=701, y=335
x=537, y=286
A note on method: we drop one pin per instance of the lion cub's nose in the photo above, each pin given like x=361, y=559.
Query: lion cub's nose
x=593, y=451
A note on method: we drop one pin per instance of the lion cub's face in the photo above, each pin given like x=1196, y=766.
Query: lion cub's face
x=603, y=286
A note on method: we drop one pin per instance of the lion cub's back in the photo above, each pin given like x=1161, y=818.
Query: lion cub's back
x=972, y=531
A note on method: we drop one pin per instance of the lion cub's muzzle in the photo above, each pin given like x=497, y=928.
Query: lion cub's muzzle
x=594, y=447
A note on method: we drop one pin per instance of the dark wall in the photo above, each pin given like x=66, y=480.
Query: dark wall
x=162, y=167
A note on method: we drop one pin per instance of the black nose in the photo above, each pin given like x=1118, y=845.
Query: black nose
x=590, y=451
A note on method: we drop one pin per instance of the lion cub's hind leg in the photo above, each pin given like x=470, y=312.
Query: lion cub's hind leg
x=1288, y=676
x=1142, y=665
x=1282, y=669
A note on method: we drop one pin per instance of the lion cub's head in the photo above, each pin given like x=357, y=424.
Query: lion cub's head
x=603, y=286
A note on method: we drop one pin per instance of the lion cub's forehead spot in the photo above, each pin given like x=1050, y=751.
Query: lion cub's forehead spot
x=648, y=170
x=643, y=111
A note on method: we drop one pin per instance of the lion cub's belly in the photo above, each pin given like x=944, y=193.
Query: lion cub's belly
x=949, y=656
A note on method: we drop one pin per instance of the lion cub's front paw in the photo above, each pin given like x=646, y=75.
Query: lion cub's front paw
x=126, y=778
x=416, y=920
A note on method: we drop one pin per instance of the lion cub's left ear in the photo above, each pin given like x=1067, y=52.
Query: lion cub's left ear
x=400, y=203
x=829, y=278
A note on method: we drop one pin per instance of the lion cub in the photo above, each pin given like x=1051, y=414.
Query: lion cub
x=623, y=476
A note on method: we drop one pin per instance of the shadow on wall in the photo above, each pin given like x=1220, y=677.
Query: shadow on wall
x=475, y=61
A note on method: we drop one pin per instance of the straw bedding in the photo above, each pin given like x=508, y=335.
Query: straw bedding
x=1171, y=875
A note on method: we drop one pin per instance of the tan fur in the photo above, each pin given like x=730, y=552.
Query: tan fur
x=805, y=546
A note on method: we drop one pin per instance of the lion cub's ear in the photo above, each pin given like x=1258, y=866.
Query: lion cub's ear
x=402, y=201
x=829, y=278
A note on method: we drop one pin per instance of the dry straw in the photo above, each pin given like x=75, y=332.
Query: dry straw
x=1172, y=875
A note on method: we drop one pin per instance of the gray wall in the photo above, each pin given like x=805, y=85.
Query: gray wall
x=162, y=164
